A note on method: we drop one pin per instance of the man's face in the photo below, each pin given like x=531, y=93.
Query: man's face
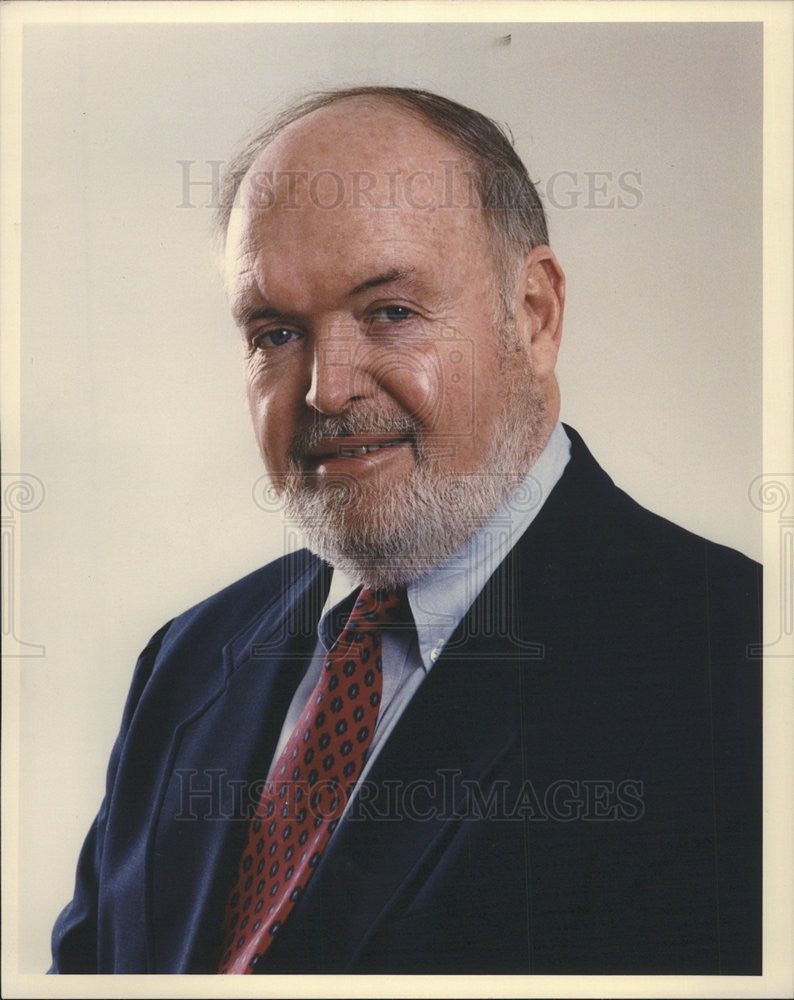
x=392, y=400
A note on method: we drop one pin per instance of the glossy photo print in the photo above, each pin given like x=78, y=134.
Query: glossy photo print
x=396, y=510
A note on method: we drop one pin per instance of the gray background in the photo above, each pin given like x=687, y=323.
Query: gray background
x=134, y=414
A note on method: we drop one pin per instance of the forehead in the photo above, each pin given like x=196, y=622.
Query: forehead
x=357, y=135
x=352, y=178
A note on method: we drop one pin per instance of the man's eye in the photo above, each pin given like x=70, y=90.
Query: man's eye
x=272, y=338
x=393, y=314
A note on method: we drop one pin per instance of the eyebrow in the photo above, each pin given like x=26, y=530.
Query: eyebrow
x=387, y=278
x=246, y=316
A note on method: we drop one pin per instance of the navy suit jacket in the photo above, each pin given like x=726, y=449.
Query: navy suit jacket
x=575, y=788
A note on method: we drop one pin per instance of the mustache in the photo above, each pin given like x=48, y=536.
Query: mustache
x=324, y=428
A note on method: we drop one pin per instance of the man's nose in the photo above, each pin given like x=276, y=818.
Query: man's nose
x=338, y=378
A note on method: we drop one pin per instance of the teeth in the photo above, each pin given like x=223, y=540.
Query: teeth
x=365, y=449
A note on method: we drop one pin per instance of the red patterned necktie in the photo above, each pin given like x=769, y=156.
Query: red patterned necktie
x=309, y=785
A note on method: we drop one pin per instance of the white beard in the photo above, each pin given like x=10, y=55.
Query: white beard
x=387, y=535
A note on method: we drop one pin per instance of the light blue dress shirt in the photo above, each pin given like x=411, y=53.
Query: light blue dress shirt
x=438, y=601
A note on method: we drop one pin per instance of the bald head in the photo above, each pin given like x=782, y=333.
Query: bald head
x=498, y=180
x=365, y=133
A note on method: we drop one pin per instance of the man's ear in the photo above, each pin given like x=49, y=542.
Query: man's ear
x=540, y=304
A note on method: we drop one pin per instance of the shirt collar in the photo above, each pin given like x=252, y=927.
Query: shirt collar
x=441, y=598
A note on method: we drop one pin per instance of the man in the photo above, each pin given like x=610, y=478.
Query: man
x=499, y=718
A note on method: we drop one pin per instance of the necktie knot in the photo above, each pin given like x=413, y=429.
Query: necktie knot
x=378, y=606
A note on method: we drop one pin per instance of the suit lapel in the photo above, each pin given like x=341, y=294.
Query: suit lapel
x=212, y=782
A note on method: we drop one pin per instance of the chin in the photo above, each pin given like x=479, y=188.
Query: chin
x=392, y=536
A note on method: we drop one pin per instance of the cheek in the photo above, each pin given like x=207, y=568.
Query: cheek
x=414, y=378
x=452, y=386
x=470, y=397
x=275, y=422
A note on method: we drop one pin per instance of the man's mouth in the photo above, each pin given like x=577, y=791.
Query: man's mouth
x=365, y=449
x=350, y=447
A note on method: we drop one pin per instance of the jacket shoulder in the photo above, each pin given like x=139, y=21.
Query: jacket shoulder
x=185, y=659
x=612, y=520
x=236, y=604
